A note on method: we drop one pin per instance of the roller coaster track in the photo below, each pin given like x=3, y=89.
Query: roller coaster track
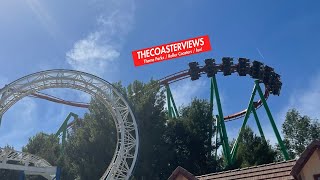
x=29, y=163
x=126, y=150
x=175, y=77
x=181, y=75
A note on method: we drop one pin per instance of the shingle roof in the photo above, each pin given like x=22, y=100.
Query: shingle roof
x=275, y=171
x=305, y=157
x=182, y=171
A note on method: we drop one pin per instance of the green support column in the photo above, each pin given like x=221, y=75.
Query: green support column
x=258, y=123
x=63, y=128
x=273, y=124
x=213, y=126
x=221, y=120
x=236, y=144
x=211, y=96
x=176, y=114
x=168, y=101
x=217, y=134
x=173, y=111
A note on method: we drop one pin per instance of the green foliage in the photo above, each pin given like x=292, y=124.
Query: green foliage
x=164, y=143
x=188, y=138
x=48, y=147
x=44, y=145
x=299, y=131
x=91, y=144
x=253, y=150
x=147, y=103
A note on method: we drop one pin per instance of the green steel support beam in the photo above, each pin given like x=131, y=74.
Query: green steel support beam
x=258, y=123
x=236, y=144
x=172, y=108
x=221, y=135
x=63, y=128
x=217, y=133
x=223, y=127
x=174, y=104
x=173, y=113
x=213, y=126
x=168, y=101
x=211, y=96
x=273, y=124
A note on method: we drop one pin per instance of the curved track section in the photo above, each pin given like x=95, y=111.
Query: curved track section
x=59, y=100
x=22, y=157
x=247, y=70
x=11, y=159
x=125, y=155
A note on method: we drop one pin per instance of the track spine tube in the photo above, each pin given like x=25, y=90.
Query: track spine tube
x=217, y=134
x=236, y=144
x=223, y=127
x=168, y=101
x=273, y=124
x=212, y=125
x=254, y=112
x=175, y=112
x=221, y=135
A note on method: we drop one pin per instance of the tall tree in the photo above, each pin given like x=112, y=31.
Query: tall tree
x=253, y=150
x=299, y=131
x=91, y=143
x=147, y=102
x=47, y=147
x=188, y=138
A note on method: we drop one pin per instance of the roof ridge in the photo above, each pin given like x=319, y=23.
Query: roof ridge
x=247, y=168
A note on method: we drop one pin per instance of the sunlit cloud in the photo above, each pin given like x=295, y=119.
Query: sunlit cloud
x=102, y=46
x=184, y=91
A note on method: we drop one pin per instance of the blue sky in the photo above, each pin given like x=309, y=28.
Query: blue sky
x=97, y=36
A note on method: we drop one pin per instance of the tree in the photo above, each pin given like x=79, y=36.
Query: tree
x=253, y=150
x=92, y=142
x=147, y=102
x=47, y=147
x=299, y=131
x=188, y=138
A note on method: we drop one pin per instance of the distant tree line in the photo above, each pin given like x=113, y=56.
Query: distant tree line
x=164, y=143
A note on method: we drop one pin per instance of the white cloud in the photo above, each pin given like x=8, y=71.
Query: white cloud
x=305, y=99
x=102, y=46
x=185, y=90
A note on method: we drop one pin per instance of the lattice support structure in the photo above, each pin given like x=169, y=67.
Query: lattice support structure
x=64, y=128
x=27, y=163
x=220, y=125
x=125, y=155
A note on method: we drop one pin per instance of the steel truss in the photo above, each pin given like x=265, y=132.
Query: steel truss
x=31, y=164
x=264, y=74
x=125, y=155
x=220, y=127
